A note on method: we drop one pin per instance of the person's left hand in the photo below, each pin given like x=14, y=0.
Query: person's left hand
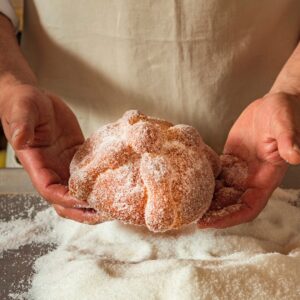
x=267, y=137
x=45, y=134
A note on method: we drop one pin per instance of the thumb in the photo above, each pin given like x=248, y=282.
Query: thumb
x=21, y=125
x=288, y=145
x=22, y=134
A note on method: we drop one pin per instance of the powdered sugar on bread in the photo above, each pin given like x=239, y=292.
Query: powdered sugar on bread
x=146, y=171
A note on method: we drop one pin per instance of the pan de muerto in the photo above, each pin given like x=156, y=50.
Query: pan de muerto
x=145, y=171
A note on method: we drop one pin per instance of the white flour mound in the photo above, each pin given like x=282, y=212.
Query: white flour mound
x=258, y=260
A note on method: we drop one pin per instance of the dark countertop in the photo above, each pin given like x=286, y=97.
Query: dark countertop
x=18, y=200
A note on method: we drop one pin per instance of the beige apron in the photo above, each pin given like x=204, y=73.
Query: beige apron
x=195, y=61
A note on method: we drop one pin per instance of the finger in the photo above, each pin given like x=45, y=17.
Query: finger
x=288, y=146
x=251, y=204
x=79, y=215
x=50, y=186
x=285, y=129
x=59, y=194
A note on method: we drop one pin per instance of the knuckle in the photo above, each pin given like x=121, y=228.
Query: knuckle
x=27, y=91
x=60, y=211
x=44, y=195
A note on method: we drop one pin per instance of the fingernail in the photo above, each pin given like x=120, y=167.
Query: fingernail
x=15, y=134
x=296, y=148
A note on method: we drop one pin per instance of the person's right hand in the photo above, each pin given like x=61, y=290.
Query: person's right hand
x=45, y=134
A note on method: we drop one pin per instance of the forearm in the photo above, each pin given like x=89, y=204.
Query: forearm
x=13, y=67
x=288, y=80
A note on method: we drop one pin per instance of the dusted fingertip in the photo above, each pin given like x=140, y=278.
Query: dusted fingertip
x=211, y=225
x=208, y=221
x=82, y=205
x=203, y=225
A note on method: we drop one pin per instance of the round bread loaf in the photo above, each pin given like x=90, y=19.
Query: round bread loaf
x=145, y=171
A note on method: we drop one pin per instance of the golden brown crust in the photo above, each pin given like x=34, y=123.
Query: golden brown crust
x=145, y=171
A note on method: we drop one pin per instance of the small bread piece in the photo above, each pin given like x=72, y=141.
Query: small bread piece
x=145, y=171
x=234, y=171
x=230, y=186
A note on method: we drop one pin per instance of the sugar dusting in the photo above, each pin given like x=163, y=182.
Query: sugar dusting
x=19, y=232
x=257, y=260
x=145, y=171
x=230, y=185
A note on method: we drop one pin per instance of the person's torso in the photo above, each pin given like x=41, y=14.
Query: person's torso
x=194, y=61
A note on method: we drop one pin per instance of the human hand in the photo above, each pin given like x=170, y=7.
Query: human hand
x=267, y=137
x=45, y=134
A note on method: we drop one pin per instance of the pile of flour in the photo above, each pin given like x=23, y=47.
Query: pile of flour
x=258, y=260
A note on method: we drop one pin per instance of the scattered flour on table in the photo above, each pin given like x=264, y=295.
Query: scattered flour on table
x=258, y=260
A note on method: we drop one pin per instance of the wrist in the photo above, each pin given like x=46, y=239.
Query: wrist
x=14, y=79
x=285, y=89
x=288, y=80
x=282, y=93
x=14, y=69
x=9, y=82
